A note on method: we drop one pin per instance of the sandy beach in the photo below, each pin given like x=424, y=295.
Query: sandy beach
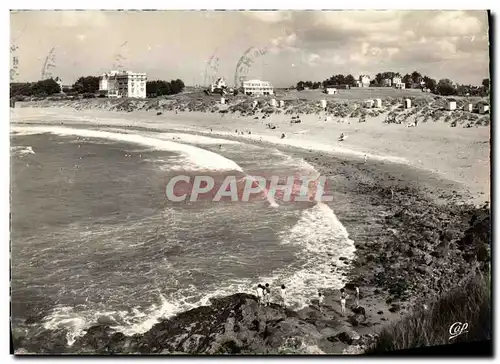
x=459, y=155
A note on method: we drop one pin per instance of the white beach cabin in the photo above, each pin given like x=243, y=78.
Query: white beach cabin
x=451, y=104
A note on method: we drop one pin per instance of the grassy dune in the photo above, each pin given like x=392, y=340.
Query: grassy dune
x=470, y=303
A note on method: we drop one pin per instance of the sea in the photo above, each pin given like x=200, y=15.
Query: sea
x=93, y=236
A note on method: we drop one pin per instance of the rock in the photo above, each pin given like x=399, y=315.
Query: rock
x=423, y=269
x=427, y=259
x=395, y=307
x=342, y=258
x=353, y=350
x=357, y=319
x=348, y=336
x=358, y=309
x=159, y=113
x=380, y=312
x=106, y=320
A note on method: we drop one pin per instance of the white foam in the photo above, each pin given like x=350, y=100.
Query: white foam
x=201, y=158
x=64, y=318
x=323, y=240
x=21, y=150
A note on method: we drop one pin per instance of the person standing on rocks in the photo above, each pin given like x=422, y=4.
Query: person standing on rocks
x=343, y=298
x=283, y=295
x=357, y=296
x=267, y=292
x=320, y=301
x=260, y=294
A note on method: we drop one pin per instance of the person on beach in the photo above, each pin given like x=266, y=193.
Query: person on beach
x=343, y=298
x=320, y=301
x=267, y=291
x=260, y=294
x=283, y=295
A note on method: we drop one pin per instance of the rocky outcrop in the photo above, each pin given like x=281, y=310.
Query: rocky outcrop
x=235, y=324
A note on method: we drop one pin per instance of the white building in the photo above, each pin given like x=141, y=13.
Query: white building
x=60, y=83
x=451, y=105
x=407, y=103
x=364, y=81
x=257, y=87
x=378, y=103
x=123, y=84
x=219, y=84
x=330, y=91
x=398, y=83
x=400, y=86
x=469, y=106
x=483, y=108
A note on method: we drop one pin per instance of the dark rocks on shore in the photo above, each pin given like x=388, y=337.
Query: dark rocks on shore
x=230, y=325
x=395, y=307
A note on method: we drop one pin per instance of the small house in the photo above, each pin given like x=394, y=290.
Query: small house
x=222, y=101
x=451, y=104
x=483, y=108
x=282, y=103
x=323, y=104
x=331, y=91
x=469, y=106
x=378, y=103
x=407, y=103
x=273, y=102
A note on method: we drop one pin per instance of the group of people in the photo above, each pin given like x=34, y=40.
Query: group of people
x=264, y=297
x=264, y=294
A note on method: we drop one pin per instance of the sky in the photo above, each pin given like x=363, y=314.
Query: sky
x=292, y=45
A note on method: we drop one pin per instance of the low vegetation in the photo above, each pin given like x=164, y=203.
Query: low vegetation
x=469, y=303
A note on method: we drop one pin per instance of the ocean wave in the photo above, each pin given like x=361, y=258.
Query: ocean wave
x=21, y=151
x=197, y=158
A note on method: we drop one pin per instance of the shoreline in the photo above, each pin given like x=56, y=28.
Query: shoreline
x=368, y=185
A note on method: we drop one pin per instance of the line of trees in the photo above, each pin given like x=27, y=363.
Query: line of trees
x=160, y=88
x=39, y=89
x=444, y=87
x=334, y=80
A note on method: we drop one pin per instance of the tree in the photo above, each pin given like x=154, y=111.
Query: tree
x=407, y=80
x=350, y=80
x=486, y=85
x=300, y=85
x=45, y=88
x=416, y=77
x=445, y=87
x=430, y=83
x=160, y=88
x=89, y=84
x=20, y=89
x=176, y=86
